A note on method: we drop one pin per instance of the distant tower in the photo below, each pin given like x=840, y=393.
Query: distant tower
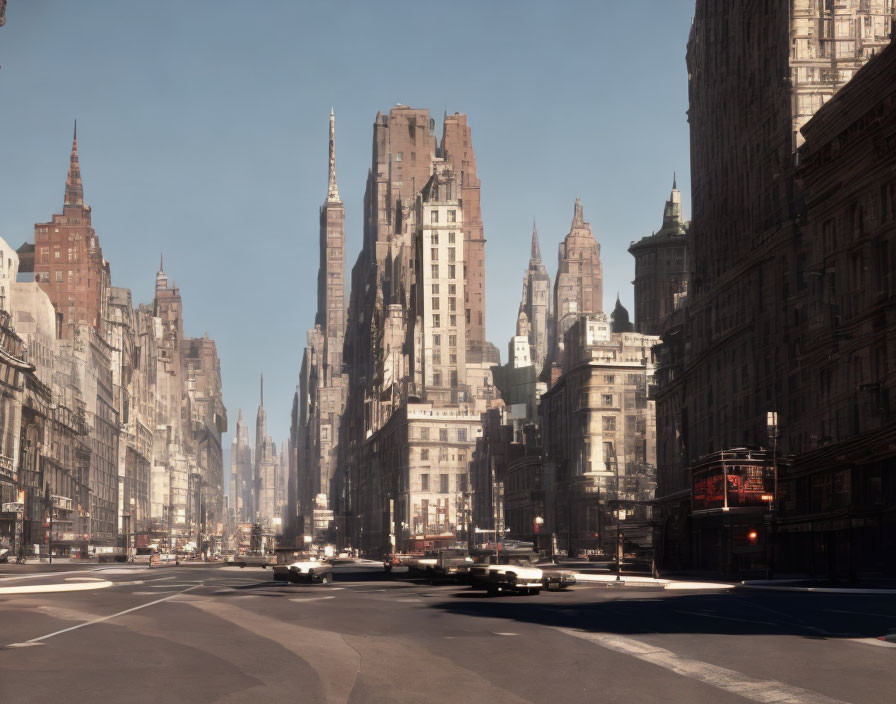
x=535, y=305
x=661, y=268
x=619, y=321
x=578, y=288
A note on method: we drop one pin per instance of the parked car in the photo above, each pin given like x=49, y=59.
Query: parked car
x=254, y=560
x=451, y=564
x=308, y=570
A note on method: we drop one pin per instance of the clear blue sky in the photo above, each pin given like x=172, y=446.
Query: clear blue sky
x=202, y=132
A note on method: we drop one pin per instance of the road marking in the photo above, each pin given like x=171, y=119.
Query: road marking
x=506, y=634
x=156, y=593
x=719, y=677
x=38, y=575
x=104, y=618
x=726, y=618
x=312, y=598
x=85, y=579
x=22, y=645
x=873, y=641
x=47, y=588
x=857, y=613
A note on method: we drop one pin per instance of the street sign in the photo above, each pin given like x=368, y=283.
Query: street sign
x=13, y=506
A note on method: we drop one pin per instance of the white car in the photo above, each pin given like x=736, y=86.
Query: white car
x=312, y=570
x=513, y=579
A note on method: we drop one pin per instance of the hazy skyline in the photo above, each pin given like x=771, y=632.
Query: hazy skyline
x=203, y=134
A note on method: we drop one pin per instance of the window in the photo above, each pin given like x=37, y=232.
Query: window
x=443, y=483
x=436, y=342
x=451, y=254
x=461, y=482
x=437, y=378
x=610, y=423
x=461, y=456
x=424, y=433
x=451, y=271
x=424, y=482
x=435, y=271
x=608, y=399
x=434, y=216
x=435, y=238
x=453, y=374
x=436, y=320
x=452, y=319
x=452, y=340
x=55, y=254
x=452, y=289
x=58, y=275
x=434, y=253
x=452, y=358
x=452, y=304
x=424, y=454
x=399, y=156
x=611, y=379
x=452, y=217
x=443, y=434
x=435, y=302
x=461, y=434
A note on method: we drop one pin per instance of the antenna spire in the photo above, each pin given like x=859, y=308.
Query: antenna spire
x=332, y=189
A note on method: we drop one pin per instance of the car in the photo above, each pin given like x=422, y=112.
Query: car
x=254, y=560
x=555, y=578
x=305, y=570
x=513, y=579
x=507, y=572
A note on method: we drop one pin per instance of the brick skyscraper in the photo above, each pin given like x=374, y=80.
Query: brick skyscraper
x=578, y=288
x=68, y=261
x=457, y=150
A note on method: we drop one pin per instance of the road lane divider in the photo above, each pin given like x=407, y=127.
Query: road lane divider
x=101, y=619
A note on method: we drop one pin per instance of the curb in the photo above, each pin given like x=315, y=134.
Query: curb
x=819, y=590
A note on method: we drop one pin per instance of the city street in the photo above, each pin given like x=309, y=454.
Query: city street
x=224, y=634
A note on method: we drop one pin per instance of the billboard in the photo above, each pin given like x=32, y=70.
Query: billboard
x=744, y=486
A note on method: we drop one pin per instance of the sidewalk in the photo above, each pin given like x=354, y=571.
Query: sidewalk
x=636, y=581
x=821, y=586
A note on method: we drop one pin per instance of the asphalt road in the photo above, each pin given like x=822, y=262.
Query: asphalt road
x=224, y=634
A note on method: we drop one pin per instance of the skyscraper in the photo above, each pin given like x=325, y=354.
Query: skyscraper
x=578, y=288
x=322, y=384
x=533, y=319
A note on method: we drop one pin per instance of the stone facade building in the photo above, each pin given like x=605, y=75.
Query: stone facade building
x=598, y=427
x=242, y=473
x=661, y=269
x=113, y=427
x=749, y=341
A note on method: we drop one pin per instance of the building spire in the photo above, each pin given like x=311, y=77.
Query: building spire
x=536, y=250
x=578, y=218
x=672, y=212
x=262, y=391
x=74, y=189
x=161, y=263
x=333, y=190
x=674, y=181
